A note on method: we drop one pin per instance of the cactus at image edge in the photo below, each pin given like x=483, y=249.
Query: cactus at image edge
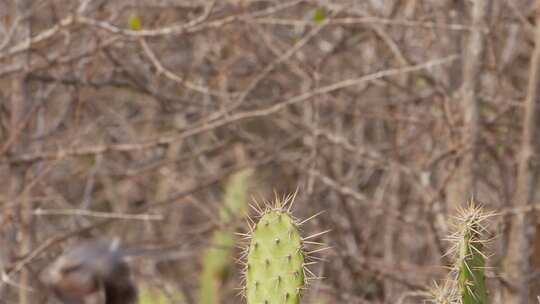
x=466, y=283
x=470, y=261
x=275, y=258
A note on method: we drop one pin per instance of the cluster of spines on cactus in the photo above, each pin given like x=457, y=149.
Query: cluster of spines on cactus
x=465, y=283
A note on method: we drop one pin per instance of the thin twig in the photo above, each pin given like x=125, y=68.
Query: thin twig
x=107, y=215
x=172, y=76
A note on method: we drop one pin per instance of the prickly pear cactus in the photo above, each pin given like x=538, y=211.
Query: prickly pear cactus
x=275, y=270
x=466, y=283
x=471, y=259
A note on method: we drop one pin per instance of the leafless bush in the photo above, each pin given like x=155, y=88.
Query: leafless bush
x=387, y=114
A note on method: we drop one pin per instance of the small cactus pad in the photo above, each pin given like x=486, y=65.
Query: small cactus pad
x=466, y=283
x=471, y=259
x=275, y=262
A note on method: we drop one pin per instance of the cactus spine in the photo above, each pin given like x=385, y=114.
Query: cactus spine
x=275, y=271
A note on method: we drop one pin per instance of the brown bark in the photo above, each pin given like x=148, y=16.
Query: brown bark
x=17, y=192
x=517, y=263
x=464, y=186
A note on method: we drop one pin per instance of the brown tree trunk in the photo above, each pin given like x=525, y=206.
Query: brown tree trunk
x=517, y=263
x=18, y=195
x=464, y=186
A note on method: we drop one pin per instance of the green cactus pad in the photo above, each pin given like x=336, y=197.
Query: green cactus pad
x=275, y=262
x=471, y=261
x=466, y=283
x=217, y=259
